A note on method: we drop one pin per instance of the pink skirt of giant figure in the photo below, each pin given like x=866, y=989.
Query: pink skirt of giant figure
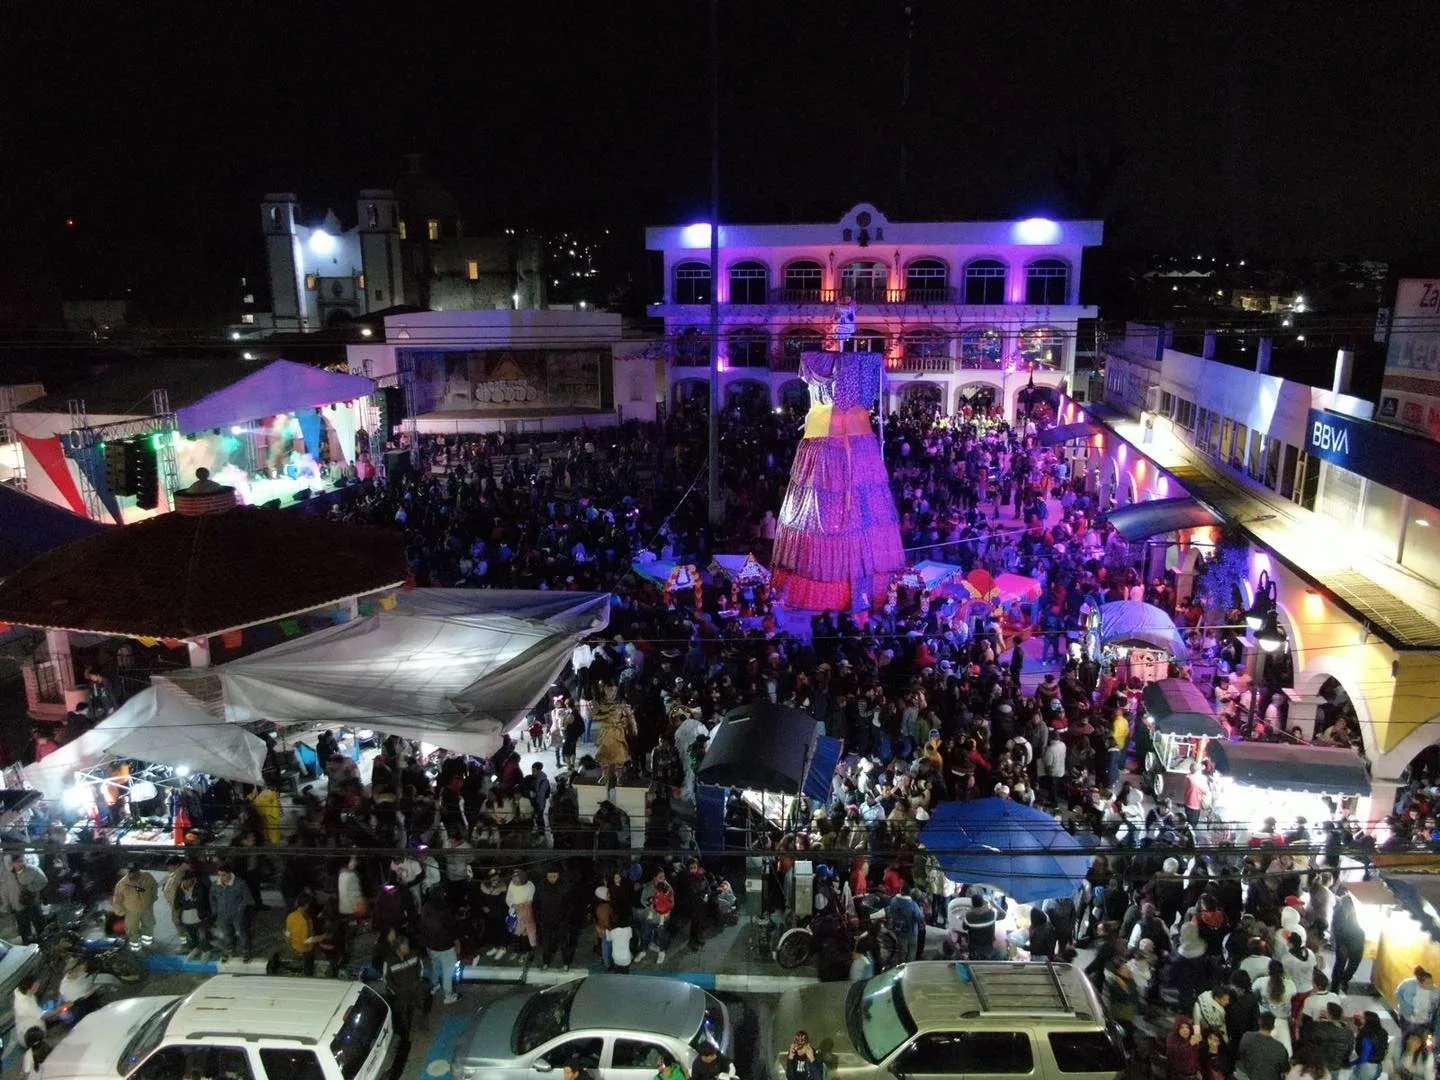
x=837, y=539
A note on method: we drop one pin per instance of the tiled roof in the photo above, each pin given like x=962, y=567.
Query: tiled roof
x=31, y=527
x=173, y=576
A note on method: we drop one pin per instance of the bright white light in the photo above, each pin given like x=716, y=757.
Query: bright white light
x=582, y=305
x=77, y=797
x=695, y=236
x=247, y=355
x=234, y=335
x=1422, y=523
x=321, y=242
x=365, y=331
x=1299, y=337
x=1035, y=230
x=515, y=298
x=182, y=770
x=236, y=429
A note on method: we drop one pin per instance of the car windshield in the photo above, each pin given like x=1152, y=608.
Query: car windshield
x=145, y=1039
x=357, y=1035
x=712, y=1024
x=876, y=1017
x=544, y=1016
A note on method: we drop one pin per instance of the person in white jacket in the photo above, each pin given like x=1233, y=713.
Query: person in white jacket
x=349, y=894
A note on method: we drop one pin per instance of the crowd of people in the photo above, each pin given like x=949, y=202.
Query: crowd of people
x=934, y=700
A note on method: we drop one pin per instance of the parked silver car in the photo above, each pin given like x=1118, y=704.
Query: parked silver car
x=612, y=1024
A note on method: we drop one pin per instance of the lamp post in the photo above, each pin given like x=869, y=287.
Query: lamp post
x=1264, y=622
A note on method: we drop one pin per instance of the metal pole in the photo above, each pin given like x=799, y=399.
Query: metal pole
x=717, y=511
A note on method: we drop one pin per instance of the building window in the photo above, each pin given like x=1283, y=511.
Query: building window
x=749, y=283
x=866, y=341
x=1288, y=468
x=749, y=349
x=432, y=229
x=927, y=348
x=1043, y=346
x=927, y=281
x=983, y=347
x=360, y=282
x=248, y=317
x=1047, y=282
x=864, y=282
x=402, y=230
x=275, y=216
x=692, y=283
x=311, y=281
x=692, y=348
x=803, y=280
x=1340, y=497
x=472, y=269
x=985, y=282
x=802, y=339
x=372, y=212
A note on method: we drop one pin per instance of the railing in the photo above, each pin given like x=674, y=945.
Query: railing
x=866, y=294
x=923, y=364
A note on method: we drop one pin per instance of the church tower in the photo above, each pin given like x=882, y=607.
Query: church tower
x=379, y=216
x=284, y=261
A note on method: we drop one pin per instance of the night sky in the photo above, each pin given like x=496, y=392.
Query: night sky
x=1281, y=128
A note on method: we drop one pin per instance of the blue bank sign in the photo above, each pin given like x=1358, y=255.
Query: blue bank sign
x=1409, y=464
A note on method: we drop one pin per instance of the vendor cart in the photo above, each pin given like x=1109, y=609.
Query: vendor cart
x=1183, y=725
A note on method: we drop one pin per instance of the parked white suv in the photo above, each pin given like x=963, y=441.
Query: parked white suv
x=234, y=1027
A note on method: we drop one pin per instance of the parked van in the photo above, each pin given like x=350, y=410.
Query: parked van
x=233, y=1027
x=934, y=1018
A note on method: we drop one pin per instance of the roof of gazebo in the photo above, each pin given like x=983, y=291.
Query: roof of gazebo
x=174, y=576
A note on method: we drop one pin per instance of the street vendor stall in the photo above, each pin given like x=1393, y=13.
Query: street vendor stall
x=1137, y=641
x=1284, y=781
x=1182, y=725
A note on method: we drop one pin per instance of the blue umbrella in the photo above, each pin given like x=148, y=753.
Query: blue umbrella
x=1040, y=861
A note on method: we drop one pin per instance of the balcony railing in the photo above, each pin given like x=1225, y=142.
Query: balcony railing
x=866, y=294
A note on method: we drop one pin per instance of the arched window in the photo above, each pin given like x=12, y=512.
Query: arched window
x=1042, y=346
x=800, y=339
x=803, y=279
x=985, y=282
x=692, y=284
x=982, y=347
x=927, y=348
x=1047, y=281
x=866, y=341
x=864, y=281
x=927, y=281
x=748, y=349
x=692, y=348
x=749, y=283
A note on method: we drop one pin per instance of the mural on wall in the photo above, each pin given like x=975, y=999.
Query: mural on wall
x=493, y=379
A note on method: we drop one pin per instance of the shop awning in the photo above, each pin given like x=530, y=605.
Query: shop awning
x=761, y=747
x=1179, y=708
x=1064, y=433
x=1323, y=770
x=1140, y=521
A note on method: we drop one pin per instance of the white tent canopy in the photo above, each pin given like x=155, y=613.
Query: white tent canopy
x=158, y=726
x=452, y=667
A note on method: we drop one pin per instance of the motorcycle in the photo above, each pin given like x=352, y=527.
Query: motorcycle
x=102, y=955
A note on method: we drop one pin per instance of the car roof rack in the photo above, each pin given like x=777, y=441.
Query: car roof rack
x=1019, y=988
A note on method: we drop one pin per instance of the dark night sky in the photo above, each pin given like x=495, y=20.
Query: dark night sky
x=1290, y=128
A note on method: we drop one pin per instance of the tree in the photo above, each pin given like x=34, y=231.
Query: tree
x=1226, y=571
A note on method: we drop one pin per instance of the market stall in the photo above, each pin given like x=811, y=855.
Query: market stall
x=1004, y=845
x=1136, y=640
x=1182, y=725
x=1284, y=781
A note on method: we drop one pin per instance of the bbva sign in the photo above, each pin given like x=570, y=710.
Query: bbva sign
x=1328, y=438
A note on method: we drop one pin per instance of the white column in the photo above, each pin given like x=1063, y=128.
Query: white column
x=199, y=652
x=57, y=644
x=352, y=609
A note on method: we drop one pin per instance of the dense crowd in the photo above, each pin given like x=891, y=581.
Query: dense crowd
x=931, y=695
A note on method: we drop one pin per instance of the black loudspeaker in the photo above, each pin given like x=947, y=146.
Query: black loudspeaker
x=392, y=410
x=302, y=494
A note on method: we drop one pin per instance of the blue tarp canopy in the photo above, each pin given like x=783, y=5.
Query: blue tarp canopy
x=1023, y=852
x=1129, y=622
x=32, y=526
x=1323, y=770
x=822, y=768
x=761, y=747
